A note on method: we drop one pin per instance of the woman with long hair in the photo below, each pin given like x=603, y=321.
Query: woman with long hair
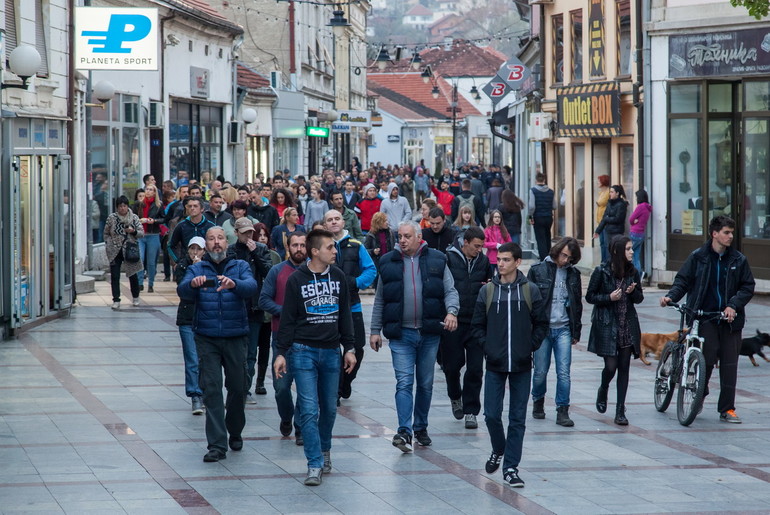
x=465, y=218
x=425, y=208
x=303, y=197
x=613, y=222
x=316, y=208
x=614, y=289
x=121, y=227
x=638, y=221
x=380, y=238
x=281, y=199
x=510, y=208
x=494, y=236
x=150, y=213
x=289, y=224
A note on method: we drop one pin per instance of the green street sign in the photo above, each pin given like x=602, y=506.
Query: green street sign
x=317, y=132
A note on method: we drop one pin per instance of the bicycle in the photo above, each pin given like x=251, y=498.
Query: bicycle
x=684, y=354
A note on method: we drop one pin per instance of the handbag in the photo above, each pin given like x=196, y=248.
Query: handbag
x=131, y=251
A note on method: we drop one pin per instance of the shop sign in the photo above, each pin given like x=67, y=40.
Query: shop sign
x=394, y=138
x=317, y=132
x=442, y=140
x=340, y=127
x=513, y=73
x=356, y=118
x=199, y=82
x=596, y=38
x=589, y=111
x=496, y=90
x=111, y=38
x=737, y=52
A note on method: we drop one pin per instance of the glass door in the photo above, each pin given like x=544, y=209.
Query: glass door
x=756, y=191
x=61, y=233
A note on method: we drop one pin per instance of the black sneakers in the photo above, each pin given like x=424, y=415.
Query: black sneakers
x=422, y=437
x=538, y=409
x=493, y=463
x=512, y=479
x=285, y=427
x=403, y=441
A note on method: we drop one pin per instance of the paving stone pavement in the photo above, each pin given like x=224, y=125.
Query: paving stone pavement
x=94, y=419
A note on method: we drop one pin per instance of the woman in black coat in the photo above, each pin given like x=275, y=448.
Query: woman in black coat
x=614, y=288
x=614, y=220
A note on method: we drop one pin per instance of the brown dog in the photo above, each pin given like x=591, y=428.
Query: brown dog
x=653, y=342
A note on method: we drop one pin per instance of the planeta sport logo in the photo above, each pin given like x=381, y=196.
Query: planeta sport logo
x=109, y=38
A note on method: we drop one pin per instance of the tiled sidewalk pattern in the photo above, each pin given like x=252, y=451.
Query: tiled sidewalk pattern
x=93, y=419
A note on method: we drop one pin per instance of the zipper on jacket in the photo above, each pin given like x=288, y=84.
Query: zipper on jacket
x=510, y=346
x=414, y=294
x=719, y=295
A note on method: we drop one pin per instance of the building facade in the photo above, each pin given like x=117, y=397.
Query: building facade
x=709, y=78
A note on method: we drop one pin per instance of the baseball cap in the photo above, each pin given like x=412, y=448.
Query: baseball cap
x=243, y=225
x=197, y=240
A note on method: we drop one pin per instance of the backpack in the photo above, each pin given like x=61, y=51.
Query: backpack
x=525, y=289
x=467, y=202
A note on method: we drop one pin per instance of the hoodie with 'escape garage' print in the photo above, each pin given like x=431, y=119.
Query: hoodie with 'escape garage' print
x=316, y=311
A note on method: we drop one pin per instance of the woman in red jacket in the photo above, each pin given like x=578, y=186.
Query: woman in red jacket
x=368, y=206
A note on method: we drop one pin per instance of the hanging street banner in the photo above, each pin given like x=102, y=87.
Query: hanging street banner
x=589, y=111
x=738, y=52
x=513, y=73
x=596, y=38
x=112, y=38
x=496, y=90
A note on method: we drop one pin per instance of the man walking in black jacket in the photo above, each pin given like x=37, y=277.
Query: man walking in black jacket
x=470, y=269
x=717, y=277
x=315, y=320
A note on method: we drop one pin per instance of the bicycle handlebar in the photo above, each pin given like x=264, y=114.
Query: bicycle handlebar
x=698, y=313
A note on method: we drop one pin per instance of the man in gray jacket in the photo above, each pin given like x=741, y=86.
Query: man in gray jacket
x=415, y=301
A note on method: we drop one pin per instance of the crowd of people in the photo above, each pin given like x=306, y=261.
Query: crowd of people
x=276, y=268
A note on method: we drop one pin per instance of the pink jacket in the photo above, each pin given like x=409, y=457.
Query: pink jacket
x=493, y=236
x=639, y=217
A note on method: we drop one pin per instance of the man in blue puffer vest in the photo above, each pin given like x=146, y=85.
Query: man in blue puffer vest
x=220, y=285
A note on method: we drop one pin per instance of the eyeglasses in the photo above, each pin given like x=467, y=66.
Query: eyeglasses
x=565, y=255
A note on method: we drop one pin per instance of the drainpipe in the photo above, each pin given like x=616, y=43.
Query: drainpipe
x=292, y=43
x=643, y=66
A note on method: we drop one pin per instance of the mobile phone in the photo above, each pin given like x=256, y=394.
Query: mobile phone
x=210, y=283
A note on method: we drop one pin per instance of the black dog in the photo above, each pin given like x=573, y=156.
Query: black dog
x=753, y=345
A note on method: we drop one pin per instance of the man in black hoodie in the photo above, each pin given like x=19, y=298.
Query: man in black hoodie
x=440, y=236
x=315, y=320
x=717, y=277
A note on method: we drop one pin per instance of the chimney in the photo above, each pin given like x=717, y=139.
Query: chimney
x=447, y=43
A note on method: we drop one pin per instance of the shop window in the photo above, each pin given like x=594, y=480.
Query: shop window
x=685, y=98
x=602, y=165
x=558, y=48
x=560, y=190
x=627, y=170
x=756, y=163
x=577, y=45
x=757, y=95
x=624, y=37
x=579, y=189
x=720, y=98
x=686, y=211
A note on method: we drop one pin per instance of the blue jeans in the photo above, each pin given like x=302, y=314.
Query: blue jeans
x=637, y=242
x=149, y=248
x=516, y=238
x=414, y=352
x=317, y=374
x=191, y=387
x=282, y=387
x=603, y=246
x=251, y=352
x=560, y=342
x=494, y=394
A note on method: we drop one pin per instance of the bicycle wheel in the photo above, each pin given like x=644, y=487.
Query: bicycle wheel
x=664, y=378
x=690, y=397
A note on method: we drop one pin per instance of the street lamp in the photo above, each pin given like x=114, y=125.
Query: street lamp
x=103, y=91
x=435, y=92
x=383, y=58
x=24, y=61
x=416, y=61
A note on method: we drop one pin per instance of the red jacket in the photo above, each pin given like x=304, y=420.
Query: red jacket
x=445, y=199
x=368, y=207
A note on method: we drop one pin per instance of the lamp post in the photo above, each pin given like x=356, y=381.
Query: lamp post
x=339, y=25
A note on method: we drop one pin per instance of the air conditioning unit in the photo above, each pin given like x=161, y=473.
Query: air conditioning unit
x=540, y=126
x=275, y=79
x=155, y=116
x=234, y=133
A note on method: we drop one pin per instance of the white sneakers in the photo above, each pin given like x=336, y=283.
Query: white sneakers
x=135, y=302
x=115, y=306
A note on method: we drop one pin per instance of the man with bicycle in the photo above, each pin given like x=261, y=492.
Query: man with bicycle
x=716, y=277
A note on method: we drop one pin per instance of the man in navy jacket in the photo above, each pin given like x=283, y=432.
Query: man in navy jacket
x=220, y=285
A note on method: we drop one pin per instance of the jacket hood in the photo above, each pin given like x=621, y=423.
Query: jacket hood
x=646, y=206
x=520, y=279
x=391, y=187
x=541, y=187
x=303, y=268
x=456, y=248
x=345, y=234
x=549, y=260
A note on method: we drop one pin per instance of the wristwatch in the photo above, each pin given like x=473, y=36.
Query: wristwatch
x=452, y=312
